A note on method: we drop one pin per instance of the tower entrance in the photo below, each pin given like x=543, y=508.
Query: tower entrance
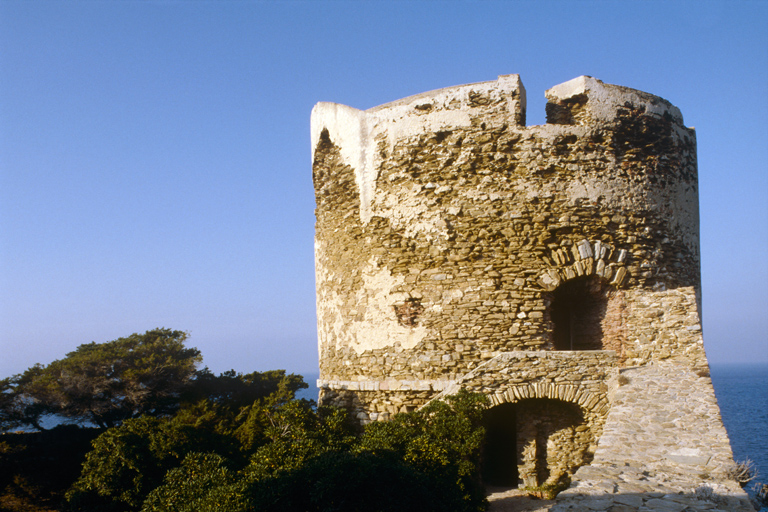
x=534, y=442
x=500, y=452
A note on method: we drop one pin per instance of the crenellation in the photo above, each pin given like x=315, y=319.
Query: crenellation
x=457, y=247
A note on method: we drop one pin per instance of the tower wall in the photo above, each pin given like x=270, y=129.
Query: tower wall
x=444, y=226
x=553, y=268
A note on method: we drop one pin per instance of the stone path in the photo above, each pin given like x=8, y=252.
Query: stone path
x=663, y=449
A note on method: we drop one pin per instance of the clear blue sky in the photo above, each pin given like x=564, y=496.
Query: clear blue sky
x=155, y=156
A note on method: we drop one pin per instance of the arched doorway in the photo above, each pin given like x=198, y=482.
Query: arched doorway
x=534, y=442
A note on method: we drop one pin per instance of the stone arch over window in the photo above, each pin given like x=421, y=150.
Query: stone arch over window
x=585, y=258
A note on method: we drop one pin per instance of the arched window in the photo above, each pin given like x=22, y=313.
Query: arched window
x=578, y=311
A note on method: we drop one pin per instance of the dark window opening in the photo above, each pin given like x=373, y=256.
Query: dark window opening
x=577, y=312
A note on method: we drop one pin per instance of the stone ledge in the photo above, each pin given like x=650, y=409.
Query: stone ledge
x=386, y=385
x=439, y=385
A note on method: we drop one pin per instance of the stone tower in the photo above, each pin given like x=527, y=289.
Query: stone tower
x=457, y=247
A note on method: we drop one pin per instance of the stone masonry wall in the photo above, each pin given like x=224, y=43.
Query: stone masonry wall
x=663, y=448
x=552, y=445
x=457, y=247
x=443, y=225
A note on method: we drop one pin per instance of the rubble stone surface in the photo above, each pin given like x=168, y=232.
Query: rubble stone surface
x=554, y=268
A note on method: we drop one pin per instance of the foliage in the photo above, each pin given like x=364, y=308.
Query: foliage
x=17, y=409
x=761, y=494
x=430, y=457
x=128, y=461
x=8, y=414
x=443, y=440
x=105, y=383
x=743, y=472
x=36, y=468
x=296, y=434
x=293, y=435
x=7, y=419
x=548, y=491
x=347, y=482
x=177, y=439
x=203, y=483
x=310, y=460
x=232, y=404
x=234, y=390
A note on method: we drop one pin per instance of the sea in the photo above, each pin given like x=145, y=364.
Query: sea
x=742, y=393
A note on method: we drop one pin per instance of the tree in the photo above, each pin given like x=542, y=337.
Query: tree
x=106, y=383
x=431, y=458
x=296, y=433
x=235, y=390
x=347, y=482
x=234, y=405
x=278, y=454
x=10, y=414
x=16, y=407
x=129, y=461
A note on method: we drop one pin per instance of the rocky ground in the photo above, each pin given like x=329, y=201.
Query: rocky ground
x=515, y=500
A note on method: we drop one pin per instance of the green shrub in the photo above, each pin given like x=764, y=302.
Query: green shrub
x=203, y=483
x=296, y=457
x=297, y=433
x=127, y=462
x=345, y=482
x=761, y=494
x=37, y=468
x=548, y=491
x=443, y=441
